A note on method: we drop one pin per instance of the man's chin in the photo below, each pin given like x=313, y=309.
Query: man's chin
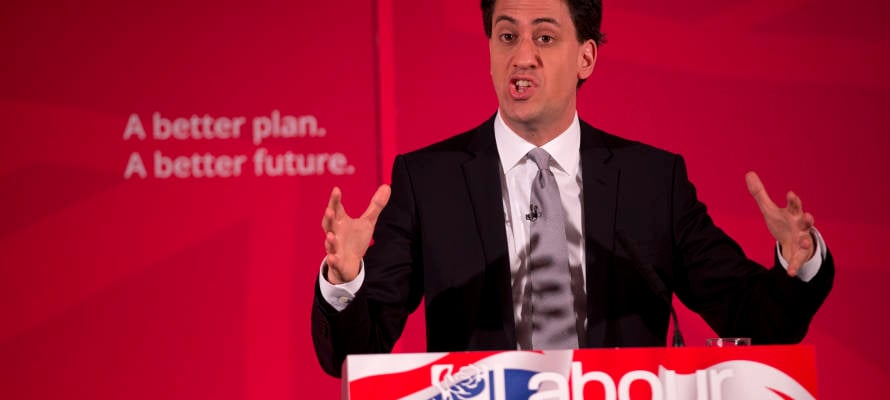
x=520, y=115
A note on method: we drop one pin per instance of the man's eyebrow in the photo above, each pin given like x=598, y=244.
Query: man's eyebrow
x=544, y=20
x=505, y=18
x=536, y=21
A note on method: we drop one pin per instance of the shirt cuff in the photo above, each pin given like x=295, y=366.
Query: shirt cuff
x=339, y=296
x=810, y=268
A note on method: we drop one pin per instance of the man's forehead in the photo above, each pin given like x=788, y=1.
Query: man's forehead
x=541, y=11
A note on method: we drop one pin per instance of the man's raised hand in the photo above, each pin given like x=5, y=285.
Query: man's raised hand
x=346, y=238
x=790, y=226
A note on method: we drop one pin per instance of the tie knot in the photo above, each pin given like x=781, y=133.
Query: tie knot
x=541, y=157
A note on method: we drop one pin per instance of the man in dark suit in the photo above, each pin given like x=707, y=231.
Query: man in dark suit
x=453, y=229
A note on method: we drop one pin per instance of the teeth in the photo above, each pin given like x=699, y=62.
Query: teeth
x=523, y=83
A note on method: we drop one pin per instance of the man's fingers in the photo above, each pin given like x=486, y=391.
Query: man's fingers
x=806, y=222
x=327, y=221
x=333, y=263
x=790, y=226
x=797, y=260
x=329, y=243
x=806, y=242
x=758, y=191
x=802, y=254
x=334, y=203
x=333, y=256
x=378, y=201
x=793, y=267
x=795, y=206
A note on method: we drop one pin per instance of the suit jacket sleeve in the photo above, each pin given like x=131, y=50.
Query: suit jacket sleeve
x=736, y=296
x=392, y=289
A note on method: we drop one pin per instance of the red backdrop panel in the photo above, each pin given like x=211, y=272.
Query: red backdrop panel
x=175, y=288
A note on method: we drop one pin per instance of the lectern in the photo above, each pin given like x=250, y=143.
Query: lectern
x=690, y=373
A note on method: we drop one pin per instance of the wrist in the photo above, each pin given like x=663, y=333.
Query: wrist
x=336, y=276
x=784, y=248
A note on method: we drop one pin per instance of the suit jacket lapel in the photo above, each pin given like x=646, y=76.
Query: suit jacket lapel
x=482, y=175
x=600, y=204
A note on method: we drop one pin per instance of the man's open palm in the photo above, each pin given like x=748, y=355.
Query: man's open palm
x=790, y=226
x=347, y=238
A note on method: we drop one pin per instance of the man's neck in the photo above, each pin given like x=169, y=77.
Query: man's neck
x=539, y=134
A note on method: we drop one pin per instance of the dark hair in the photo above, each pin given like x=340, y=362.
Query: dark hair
x=587, y=15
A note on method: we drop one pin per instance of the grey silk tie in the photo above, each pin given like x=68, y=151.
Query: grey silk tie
x=548, y=314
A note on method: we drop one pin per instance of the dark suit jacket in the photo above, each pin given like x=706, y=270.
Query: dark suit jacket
x=441, y=237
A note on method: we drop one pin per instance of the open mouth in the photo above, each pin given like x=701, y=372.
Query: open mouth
x=521, y=88
x=521, y=85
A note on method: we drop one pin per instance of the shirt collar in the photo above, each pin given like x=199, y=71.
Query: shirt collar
x=564, y=148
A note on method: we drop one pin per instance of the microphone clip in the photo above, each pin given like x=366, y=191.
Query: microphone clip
x=533, y=214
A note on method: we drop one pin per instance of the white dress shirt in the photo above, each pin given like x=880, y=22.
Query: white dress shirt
x=517, y=174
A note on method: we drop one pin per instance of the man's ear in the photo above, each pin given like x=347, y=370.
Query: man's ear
x=586, y=59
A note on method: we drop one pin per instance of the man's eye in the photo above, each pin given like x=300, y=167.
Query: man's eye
x=545, y=39
x=508, y=37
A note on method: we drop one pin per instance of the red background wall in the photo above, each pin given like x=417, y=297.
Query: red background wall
x=200, y=288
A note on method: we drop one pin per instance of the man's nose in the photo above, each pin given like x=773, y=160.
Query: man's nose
x=526, y=54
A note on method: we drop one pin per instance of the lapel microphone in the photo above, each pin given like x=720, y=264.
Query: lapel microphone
x=533, y=214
